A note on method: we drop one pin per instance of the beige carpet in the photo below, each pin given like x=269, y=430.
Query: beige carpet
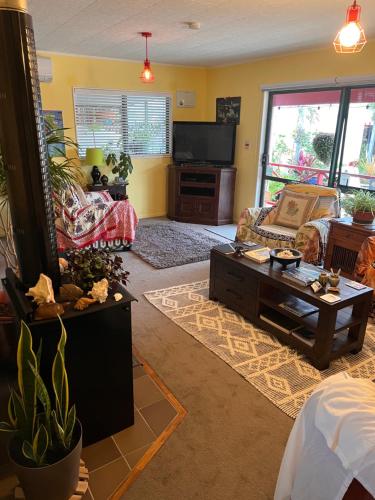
x=281, y=374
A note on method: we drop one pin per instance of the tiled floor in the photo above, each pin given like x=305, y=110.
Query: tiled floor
x=112, y=461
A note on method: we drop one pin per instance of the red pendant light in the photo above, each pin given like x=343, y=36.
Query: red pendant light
x=351, y=38
x=147, y=75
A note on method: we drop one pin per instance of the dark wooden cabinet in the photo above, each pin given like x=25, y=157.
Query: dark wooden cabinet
x=344, y=242
x=117, y=191
x=203, y=195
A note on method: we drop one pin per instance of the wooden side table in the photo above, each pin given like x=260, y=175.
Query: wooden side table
x=117, y=191
x=344, y=242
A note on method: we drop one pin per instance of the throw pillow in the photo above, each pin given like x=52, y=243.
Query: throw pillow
x=326, y=206
x=294, y=209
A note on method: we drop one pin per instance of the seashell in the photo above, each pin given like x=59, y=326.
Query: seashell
x=118, y=296
x=63, y=264
x=42, y=292
x=83, y=303
x=99, y=290
x=48, y=311
x=70, y=292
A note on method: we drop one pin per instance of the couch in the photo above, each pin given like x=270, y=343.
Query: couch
x=270, y=227
x=85, y=219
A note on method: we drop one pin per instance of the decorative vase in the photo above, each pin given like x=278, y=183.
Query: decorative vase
x=58, y=480
x=323, y=278
x=334, y=279
x=363, y=217
x=95, y=174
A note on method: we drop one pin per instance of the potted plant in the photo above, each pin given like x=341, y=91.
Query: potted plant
x=46, y=442
x=361, y=206
x=89, y=265
x=323, y=147
x=122, y=166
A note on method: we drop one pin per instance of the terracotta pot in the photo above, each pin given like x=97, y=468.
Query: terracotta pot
x=363, y=217
x=58, y=481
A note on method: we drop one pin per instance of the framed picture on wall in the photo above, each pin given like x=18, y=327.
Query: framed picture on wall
x=55, y=118
x=228, y=110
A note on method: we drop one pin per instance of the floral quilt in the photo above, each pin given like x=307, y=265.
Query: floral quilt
x=82, y=222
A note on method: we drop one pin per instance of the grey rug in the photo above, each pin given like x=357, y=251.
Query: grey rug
x=170, y=244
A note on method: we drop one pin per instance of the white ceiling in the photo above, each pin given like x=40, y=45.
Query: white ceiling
x=230, y=30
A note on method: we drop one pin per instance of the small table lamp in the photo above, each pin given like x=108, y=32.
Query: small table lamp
x=94, y=156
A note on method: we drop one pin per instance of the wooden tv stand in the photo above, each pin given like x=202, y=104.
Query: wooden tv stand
x=201, y=194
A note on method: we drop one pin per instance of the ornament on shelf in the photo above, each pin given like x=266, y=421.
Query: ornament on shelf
x=99, y=290
x=70, y=292
x=42, y=292
x=83, y=303
x=118, y=296
x=48, y=311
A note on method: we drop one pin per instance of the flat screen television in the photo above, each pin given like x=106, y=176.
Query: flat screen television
x=204, y=143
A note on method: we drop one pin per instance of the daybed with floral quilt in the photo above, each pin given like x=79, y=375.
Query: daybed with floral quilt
x=93, y=219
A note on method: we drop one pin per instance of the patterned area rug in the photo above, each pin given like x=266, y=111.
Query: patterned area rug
x=169, y=244
x=281, y=374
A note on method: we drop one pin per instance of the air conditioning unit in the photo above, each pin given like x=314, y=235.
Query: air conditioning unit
x=45, y=69
x=185, y=99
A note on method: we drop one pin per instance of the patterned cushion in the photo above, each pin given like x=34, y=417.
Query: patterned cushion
x=294, y=209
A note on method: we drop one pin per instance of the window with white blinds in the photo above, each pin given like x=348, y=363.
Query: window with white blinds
x=134, y=122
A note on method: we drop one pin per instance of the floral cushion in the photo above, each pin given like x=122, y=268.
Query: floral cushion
x=294, y=209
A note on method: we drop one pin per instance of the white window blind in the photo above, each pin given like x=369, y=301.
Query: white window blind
x=138, y=123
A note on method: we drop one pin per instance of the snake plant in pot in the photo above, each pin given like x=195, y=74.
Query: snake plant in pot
x=361, y=206
x=46, y=437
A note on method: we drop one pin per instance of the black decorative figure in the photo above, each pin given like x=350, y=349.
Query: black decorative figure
x=95, y=174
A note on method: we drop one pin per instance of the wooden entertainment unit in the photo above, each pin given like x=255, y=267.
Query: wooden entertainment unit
x=201, y=194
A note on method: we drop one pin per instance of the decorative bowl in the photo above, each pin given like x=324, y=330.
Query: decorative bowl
x=283, y=260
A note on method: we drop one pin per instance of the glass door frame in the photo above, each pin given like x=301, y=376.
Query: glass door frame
x=339, y=139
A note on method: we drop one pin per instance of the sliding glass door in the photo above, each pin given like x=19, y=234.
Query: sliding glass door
x=357, y=165
x=319, y=136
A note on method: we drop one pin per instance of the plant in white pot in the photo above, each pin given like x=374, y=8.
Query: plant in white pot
x=46, y=442
x=361, y=206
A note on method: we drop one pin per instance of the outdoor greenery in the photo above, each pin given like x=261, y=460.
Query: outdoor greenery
x=43, y=428
x=359, y=201
x=88, y=265
x=122, y=166
x=323, y=147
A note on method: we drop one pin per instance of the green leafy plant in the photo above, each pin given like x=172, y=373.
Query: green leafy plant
x=88, y=265
x=122, y=166
x=359, y=201
x=43, y=430
x=323, y=147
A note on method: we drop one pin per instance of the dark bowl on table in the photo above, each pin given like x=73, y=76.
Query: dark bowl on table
x=285, y=261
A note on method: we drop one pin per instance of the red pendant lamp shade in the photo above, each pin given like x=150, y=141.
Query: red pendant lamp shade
x=147, y=75
x=351, y=38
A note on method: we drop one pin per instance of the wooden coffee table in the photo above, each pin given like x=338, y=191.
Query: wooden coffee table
x=257, y=290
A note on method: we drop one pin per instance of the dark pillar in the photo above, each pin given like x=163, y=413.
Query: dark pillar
x=23, y=146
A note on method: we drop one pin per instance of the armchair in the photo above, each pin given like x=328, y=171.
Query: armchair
x=260, y=225
x=93, y=219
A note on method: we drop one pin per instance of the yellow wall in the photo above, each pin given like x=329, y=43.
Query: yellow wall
x=245, y=80
x=147, y=188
